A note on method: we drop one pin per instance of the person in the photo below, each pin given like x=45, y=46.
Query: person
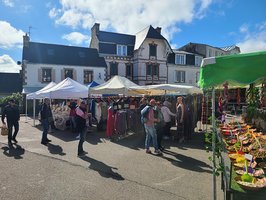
x=11, y=113
x=72, y=115
x=143, y=103
x=180, y=109
x=151, y=131
x=159, y=126
x=46, y=117
x=81, y=116
x=167, y=118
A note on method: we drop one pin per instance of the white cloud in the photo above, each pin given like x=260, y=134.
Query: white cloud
x=128, y=16
x=7, y=64
x=244, y=28
x=8, y=3
x=53, y=13
x=76, y=38
x=9, y=36
x=253, y=40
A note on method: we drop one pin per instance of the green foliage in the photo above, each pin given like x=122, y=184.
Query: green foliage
x=16, y=96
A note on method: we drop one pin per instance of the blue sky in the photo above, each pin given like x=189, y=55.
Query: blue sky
x=214, y=22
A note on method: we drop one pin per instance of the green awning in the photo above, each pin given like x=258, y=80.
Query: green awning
x=238, y=70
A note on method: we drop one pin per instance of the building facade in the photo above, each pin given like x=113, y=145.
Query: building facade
x=43, y=63
x=141, y=58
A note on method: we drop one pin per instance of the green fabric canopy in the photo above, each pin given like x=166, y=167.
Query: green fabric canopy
x=238, y=70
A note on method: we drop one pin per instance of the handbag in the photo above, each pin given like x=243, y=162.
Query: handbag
x=4, y=130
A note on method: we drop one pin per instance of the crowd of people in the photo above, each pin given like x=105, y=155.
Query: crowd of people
x=157, y=125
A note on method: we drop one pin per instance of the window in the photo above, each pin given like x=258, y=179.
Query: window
x=198, y=60
x=113, y=69
x=180, y=76
x=46, y=75
x=88, y=76
x=153, y=50
x=129, y=70
x=180, y=59
x=210, y=53
x=152, y=71
x=121, y=50
x=197, y=77
x=69, y=73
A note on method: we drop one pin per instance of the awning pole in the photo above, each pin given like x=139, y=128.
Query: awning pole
x=26, y=112
x=213, y=144
x=34, y=102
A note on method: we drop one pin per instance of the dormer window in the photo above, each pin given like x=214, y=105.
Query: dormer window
x=121, y=50
x=180, y=59
x=153, y=50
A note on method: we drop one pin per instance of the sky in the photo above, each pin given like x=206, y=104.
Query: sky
x=217, y=23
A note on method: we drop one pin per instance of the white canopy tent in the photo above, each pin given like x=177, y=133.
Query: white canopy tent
x=34, y=95
x=116, y=85
x=66, y=89
x=162, y=89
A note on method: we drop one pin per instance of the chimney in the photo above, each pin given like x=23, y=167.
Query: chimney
x=158, y=29
x=26, y=40
x=95, y=29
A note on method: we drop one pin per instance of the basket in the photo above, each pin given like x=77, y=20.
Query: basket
x=4, y=130
x=248, y=186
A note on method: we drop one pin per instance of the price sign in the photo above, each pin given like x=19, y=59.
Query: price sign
x=248, y=157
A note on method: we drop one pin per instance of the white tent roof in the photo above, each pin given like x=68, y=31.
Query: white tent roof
x=116, y=85
x=162, y=89
x=66, y=89
x=34, y=94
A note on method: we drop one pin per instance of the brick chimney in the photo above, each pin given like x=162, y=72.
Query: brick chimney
x=26, y=40
x=158, y=29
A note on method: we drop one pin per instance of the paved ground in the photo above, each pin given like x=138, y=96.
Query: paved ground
x=111, y=170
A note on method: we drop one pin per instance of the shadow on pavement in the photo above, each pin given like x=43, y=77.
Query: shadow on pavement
x=93, y=137
x=16, y=151
x=103, y=169
x=55, y=149
x=186, y=162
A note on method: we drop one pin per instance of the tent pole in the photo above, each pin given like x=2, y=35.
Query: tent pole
x=34, y=103
x=213, y=144
x=26, y=111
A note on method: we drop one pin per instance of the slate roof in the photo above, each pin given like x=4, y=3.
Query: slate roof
x=116, y=38
x=62, y=55
x=10, y=83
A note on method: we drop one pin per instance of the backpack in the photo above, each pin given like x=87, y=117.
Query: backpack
x=144, y=114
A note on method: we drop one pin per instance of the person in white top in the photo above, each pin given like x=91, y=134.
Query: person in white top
x=167, y=118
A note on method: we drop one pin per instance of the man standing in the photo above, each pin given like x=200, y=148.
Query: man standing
x=151, y=131
x=46, y=115
x=167, y=118
x=81, y=116
x=11, y=112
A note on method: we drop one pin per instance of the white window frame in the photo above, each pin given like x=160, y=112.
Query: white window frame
x=182, y=76
x=180, y=59
x=121, y=50
x=198, y=60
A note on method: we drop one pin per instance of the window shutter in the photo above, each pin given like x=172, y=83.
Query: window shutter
x=62, y=74
x=74, y=74
x=39, y=75
x=53, y=75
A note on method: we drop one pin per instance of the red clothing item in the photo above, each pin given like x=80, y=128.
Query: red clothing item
x=110, y=123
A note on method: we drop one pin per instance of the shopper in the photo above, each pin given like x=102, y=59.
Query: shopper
x=167, y=118
x=81, y=116
x=46, y=117
x=180, y=109
x=159, y=126
x=151, y=131
x=72, y=115
x=11, y=113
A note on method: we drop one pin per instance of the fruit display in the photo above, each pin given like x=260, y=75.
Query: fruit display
x=246, y=148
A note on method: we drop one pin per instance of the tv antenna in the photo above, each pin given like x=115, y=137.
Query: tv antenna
x=30, y=27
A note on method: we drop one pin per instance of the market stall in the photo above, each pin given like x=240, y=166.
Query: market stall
x=238, y=70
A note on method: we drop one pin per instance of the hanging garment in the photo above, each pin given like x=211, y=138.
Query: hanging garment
x=110, y=129
x=98, y=111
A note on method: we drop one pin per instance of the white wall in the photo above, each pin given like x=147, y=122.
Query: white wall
x=190, y=78
x=31, y=73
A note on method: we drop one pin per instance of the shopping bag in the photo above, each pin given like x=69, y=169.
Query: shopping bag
x=4, y=130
